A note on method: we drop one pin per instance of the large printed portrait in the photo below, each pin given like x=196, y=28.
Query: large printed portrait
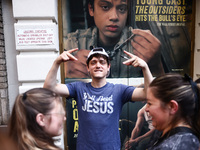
x=158, y=31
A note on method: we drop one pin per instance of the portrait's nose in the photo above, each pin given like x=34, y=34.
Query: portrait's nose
x=113, y=15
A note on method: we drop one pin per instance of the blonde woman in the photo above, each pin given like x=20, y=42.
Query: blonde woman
x=37, y=117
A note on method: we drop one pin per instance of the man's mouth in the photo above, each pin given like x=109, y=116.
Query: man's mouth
x=98, y=71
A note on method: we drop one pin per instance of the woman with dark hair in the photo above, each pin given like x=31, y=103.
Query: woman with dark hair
x=37, y=117
x=173, y=104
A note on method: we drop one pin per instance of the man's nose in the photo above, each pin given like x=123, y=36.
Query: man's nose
x=98, y=64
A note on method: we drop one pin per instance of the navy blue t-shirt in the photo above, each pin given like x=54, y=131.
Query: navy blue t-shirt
x=98, y=112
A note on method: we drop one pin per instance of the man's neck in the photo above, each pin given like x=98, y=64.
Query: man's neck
x=98, y=83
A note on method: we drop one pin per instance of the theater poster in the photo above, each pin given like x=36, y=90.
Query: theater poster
x=170, y=21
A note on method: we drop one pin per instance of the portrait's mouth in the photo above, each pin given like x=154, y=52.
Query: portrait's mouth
x=112, y=28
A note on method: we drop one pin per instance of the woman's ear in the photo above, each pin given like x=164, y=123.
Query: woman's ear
x=173, y=105
x=40, y=118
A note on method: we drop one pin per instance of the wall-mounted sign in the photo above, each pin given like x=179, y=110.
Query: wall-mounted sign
x=36, y=36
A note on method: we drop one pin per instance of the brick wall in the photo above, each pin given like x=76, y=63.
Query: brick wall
x=4, y=109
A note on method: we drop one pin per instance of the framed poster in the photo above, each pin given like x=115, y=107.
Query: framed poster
x=171, y=22
x=163, y=38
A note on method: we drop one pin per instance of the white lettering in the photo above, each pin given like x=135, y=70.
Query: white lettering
x=98, y=107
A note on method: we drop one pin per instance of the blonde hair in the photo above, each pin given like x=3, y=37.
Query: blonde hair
x=23, y=127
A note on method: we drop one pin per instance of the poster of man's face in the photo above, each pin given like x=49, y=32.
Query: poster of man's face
x=107, y=24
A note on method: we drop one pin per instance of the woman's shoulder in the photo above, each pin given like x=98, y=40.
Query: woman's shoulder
x=182, y=140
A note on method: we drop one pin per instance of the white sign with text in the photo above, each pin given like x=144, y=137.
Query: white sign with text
x=35, y=37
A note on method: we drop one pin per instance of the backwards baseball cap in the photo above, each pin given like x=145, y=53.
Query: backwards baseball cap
x=97, y=50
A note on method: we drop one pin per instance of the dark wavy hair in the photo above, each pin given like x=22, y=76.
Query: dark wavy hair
x=185, y=92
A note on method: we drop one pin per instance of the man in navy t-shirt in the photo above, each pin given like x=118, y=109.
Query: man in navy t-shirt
x=99, y=102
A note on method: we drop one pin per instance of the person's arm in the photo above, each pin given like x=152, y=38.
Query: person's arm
x=147, y=134
x=131, y=142
x=50, y=81
x=139, y=94
x=137, y=129
x=139, y=123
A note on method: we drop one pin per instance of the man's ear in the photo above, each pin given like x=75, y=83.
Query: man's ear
x=109, y=67
x=88, y=67
x=40, y=118
x=91, y=10
x=173, y=106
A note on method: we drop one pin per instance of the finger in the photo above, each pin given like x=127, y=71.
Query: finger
x=68, y=56
x=72, y=50
x=129, y=54
x=127, y=147
x=147, y=34
x=140, y=42
x=128, y=62
x=71, y=57
x=135, y=64
x=143, y=46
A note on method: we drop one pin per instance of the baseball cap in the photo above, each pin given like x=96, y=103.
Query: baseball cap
x=97, y=50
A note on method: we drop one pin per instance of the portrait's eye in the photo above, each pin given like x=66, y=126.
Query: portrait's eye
x=122, y=9
x=174, y=35
x=105, y=6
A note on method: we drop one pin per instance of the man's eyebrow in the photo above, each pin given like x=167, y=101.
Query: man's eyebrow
x=104, y=2
x=124, y=2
